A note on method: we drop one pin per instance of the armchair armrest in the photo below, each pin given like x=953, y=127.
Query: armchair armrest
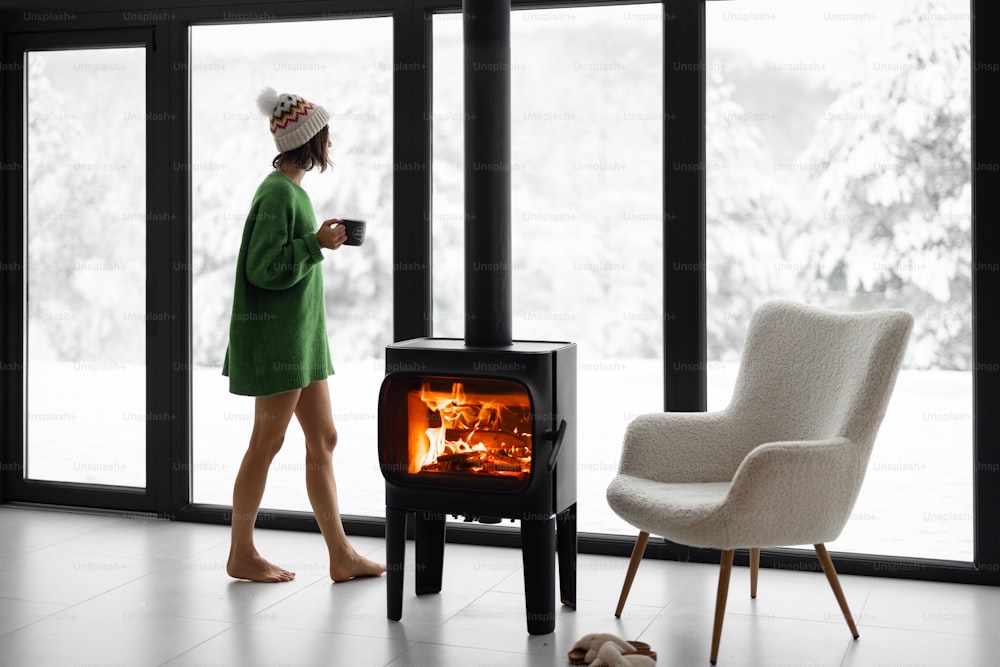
x=801, y=492
x=677, y=447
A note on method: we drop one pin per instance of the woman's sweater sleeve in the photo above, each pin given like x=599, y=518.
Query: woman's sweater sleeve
x=273, y=260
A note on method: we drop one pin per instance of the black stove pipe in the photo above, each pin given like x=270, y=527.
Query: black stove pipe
x=488, y=295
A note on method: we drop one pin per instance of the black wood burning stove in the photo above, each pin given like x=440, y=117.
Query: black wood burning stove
x=483, y=427
x=485, y=433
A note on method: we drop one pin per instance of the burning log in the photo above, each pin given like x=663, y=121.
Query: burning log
x=477, y=461
x=474, y=432
x=516, y=445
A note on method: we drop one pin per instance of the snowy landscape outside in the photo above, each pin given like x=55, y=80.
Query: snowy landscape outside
x=838, y=167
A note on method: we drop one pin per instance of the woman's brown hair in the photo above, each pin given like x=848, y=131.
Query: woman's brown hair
x=310, y=154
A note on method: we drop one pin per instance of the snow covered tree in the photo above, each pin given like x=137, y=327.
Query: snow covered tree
x=747, y=221
x=893, y=184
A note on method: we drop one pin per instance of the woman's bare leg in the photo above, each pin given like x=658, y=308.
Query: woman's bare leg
x=271, y=417
x=313, y=413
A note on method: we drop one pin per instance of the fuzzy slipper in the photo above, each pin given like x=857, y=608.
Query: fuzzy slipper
x=585, y=650
x=610, y=655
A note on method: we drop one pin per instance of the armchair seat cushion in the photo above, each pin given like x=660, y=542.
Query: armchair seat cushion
x=688, y=513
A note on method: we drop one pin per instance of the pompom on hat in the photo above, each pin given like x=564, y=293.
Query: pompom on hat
x=294, y=120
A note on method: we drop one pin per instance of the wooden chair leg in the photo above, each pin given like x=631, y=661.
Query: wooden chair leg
x=633, y=565
x=831, y=576
x=725, y=569
x=754, y=569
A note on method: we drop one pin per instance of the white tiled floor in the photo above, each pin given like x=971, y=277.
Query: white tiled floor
x=87, y=589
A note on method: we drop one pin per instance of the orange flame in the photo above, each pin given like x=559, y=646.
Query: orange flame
x=477, y=433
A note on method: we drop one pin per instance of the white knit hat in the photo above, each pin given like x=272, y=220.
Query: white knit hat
x=294, y=120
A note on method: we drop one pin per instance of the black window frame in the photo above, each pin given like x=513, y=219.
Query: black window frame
x=685, y=374
x=158, y=432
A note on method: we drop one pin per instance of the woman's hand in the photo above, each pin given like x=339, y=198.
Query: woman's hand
x=331, y=234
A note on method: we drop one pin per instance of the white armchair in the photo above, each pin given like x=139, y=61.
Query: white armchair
x=783, y=463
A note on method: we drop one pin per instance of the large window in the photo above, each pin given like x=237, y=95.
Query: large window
x=345, y=65
x=85, y=287
x=586, y=131
x=839, y=173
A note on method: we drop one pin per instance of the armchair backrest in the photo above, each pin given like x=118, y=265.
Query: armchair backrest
x=808, y=373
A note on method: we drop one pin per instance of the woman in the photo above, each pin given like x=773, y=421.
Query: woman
x=278, y=349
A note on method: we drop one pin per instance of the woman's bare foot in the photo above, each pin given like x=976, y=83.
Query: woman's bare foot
x=255, y=568
x=352, y=564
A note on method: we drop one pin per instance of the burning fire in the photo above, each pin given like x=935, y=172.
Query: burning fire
x=476, y=433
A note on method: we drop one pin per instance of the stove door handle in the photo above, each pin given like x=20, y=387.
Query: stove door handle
x=557, y=442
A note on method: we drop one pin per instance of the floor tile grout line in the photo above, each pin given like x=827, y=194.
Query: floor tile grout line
x=418, y=644
x=846, y=653
x=235, y=624
x=116, y=521
x=158, y=569
x=207, y=639
x=19, y=628
x=62, y=540
x=286, y=598
x=76, y=604
x=187, y=616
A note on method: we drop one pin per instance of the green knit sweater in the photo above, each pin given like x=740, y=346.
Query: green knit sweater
x=277, y=333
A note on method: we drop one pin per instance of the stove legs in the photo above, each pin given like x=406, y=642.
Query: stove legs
x=539, y=539
x=566, y=545
x=395, y=554
x=429, y=533
x=538, y=552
